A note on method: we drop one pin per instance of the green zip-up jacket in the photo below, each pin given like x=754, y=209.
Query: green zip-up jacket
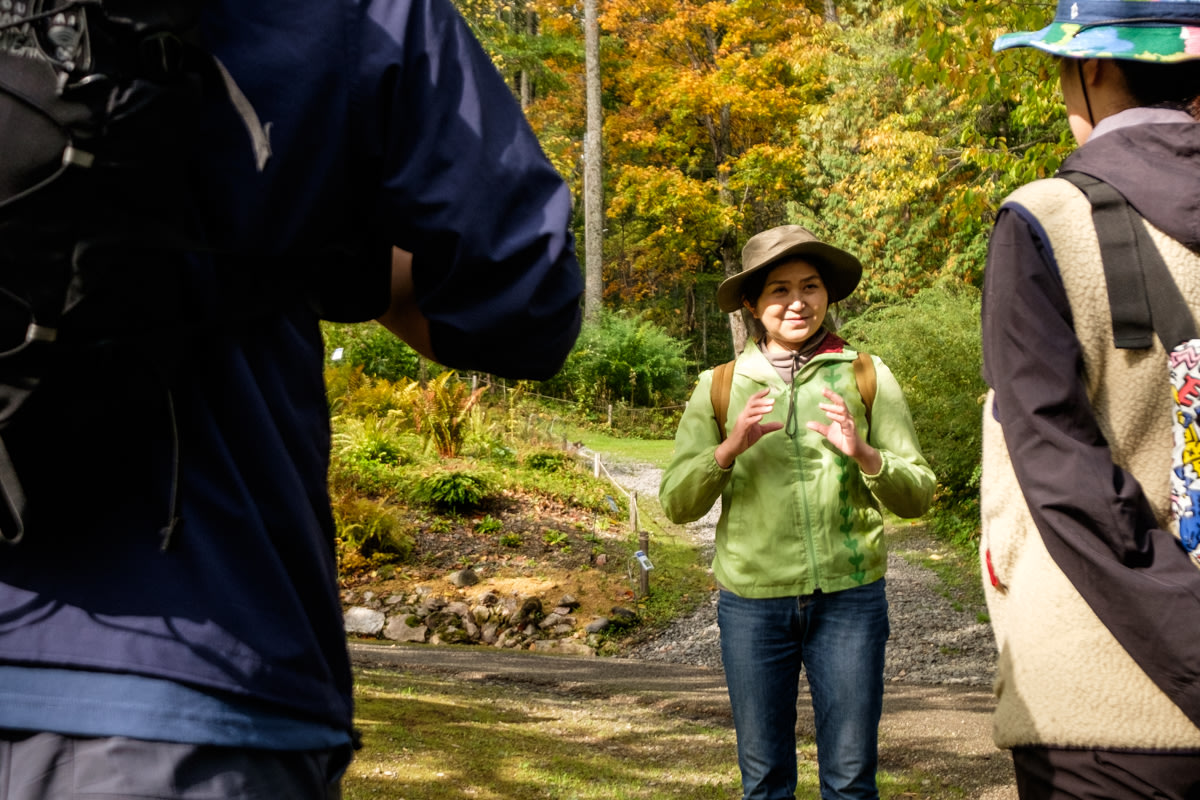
x=797, y=515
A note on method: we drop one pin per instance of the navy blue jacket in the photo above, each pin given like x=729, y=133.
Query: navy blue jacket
x=387, y=126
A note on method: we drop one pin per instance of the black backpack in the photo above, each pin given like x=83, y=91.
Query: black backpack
x=99, y=106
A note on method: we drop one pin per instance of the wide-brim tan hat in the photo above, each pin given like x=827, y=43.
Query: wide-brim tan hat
x=839, y=270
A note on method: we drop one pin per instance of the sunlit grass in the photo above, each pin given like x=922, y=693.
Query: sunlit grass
x=429, y=739
x=433, y=738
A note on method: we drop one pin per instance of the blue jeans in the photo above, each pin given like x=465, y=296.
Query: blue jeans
x=839, y=638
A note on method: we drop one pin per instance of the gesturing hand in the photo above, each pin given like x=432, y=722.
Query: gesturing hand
x=842, y=433
x=747, y=429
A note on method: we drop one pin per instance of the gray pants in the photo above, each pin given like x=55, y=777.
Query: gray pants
x=46, y=766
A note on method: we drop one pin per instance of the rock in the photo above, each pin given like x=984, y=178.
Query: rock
x=441, y=619
x=398, y=630
x=430, y=604
x=550, y=621
x=622, y=617
x=597, y=625
x=464, y=577
x=569, y=601
x=530, y=609
x=363, y=621
x=563, y=646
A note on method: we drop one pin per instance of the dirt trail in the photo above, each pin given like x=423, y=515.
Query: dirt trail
x=944, y=731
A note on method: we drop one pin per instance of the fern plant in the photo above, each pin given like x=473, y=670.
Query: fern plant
x=453, y=490
x=441, y=411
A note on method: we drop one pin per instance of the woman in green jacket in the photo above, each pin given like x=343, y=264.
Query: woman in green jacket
x=800, y=555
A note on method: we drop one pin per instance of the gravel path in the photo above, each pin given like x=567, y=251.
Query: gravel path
x=932, y=643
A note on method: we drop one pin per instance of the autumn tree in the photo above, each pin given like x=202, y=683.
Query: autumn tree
x=703, y=101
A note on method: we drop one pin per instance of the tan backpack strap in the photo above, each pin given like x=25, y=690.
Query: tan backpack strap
x=864, y=376
x=722, y=382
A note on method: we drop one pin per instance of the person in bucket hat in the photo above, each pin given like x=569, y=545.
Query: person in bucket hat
x=802, y=474
x=1094, y=603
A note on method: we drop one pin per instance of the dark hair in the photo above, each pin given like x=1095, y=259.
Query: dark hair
x=1157, y=85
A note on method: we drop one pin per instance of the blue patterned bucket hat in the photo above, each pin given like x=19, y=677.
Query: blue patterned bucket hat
x=1137, y=30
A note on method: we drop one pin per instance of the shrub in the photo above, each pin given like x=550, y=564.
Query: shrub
x=372, y=347
x=488, y=525
x=932, y=344
x=622, y=357
x=351, y=393
x=548, y=461
x=368, y=529
x=367, y=452
x=453, y=490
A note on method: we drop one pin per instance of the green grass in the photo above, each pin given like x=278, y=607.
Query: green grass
x=435, y=740
x=615, y=448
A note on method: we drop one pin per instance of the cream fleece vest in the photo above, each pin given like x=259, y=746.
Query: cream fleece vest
x=1063, y=680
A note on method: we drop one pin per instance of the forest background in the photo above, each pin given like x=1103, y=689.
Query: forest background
x=889, y=128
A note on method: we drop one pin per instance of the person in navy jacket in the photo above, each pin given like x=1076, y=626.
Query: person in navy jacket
x=169, y=623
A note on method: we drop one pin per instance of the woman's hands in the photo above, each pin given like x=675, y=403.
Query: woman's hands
x=747, y=429
x=841, y=431
x=843, y=434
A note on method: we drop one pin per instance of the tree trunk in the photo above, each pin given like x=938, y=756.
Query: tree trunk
x=831, y=14
x=526, y=81
x=593, y=197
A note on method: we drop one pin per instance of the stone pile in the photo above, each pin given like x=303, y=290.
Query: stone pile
x=507, y=621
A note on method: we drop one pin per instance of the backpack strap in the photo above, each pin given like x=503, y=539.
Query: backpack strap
x=864, y=377
x=1142, y=295
x=722, y=384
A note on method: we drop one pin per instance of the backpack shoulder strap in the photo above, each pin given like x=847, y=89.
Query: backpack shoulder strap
x=864, y=376
x=722, y=382
x=1142, y=295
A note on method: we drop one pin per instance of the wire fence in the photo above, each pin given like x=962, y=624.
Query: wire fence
x=615, y=415
x=639, y=565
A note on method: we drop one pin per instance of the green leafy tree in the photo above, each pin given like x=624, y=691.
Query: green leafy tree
x=372, y=347
x=622, y=357
x=932, y=345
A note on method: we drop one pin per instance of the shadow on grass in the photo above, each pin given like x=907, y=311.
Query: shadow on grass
x=435, y=737
x=427, y=739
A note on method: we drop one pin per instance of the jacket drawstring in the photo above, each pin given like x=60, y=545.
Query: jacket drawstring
x=792, y=427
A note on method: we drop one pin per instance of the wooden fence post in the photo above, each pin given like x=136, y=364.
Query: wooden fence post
x=643, y=563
